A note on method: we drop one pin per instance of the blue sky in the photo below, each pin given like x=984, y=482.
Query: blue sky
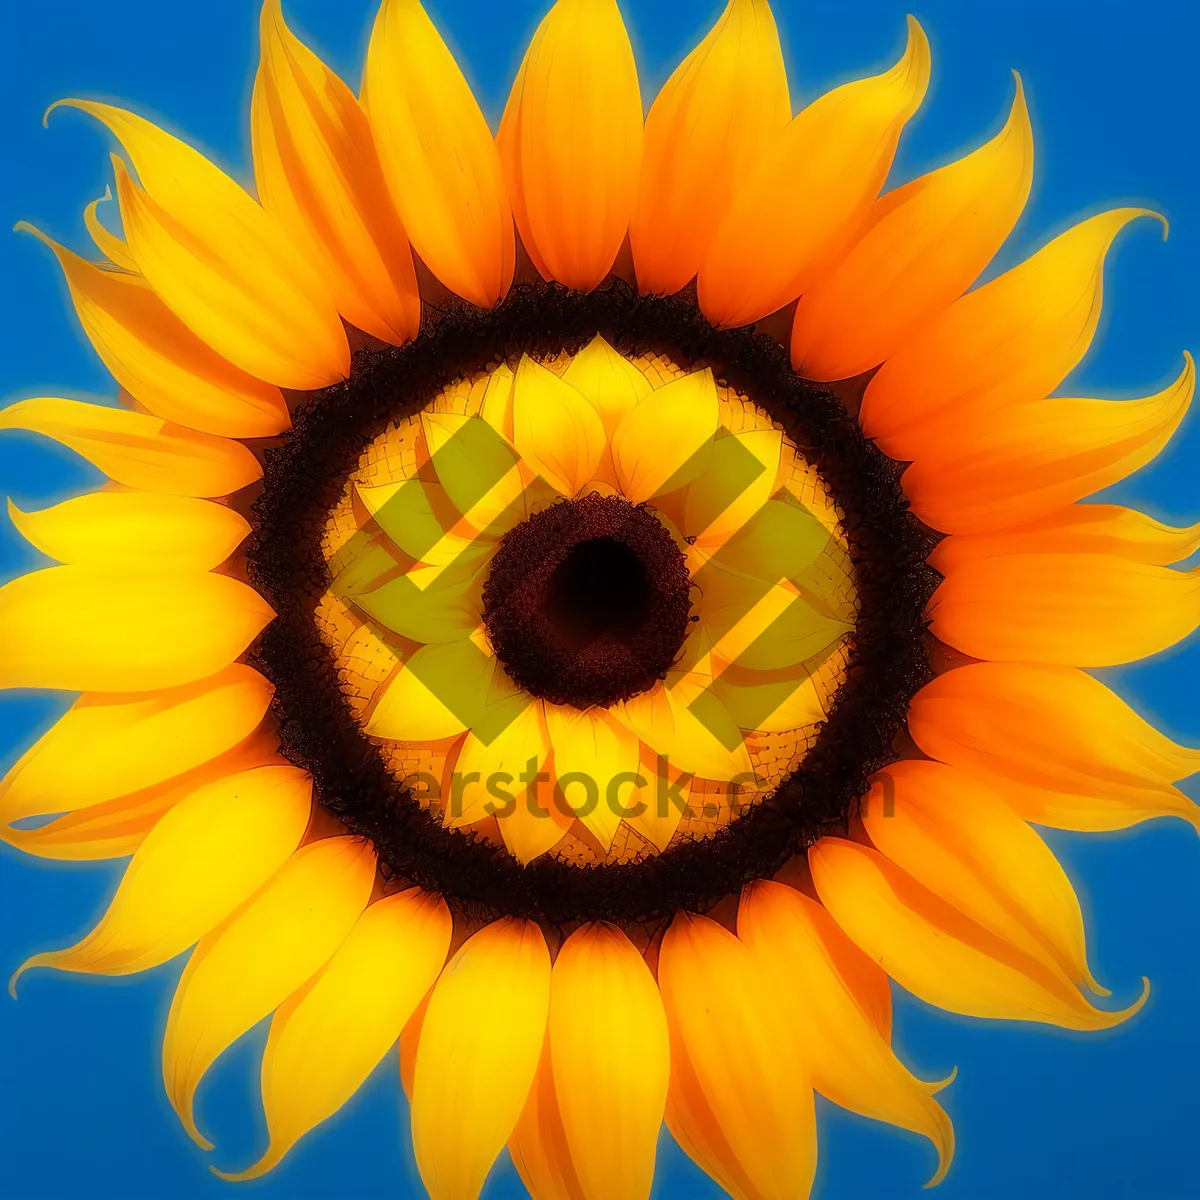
x=1038, y=1112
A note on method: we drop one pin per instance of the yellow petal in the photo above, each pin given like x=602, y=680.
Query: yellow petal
x=938, y=953
x=138, y=450
x=470, y=1085
x=327, y=1038
x=204, y=858
x=538, y=1144
x=1008, y=466
x=710, y=125
x=435, y=695
x=666, y=441
x=954, y=834
x=655, y=806
x=221, y=263
x=415, y=514
x=740, y=1100
x=798, y=945
x=1082, y=610
x=771, y=705
x=93, y=629
x=438, y=156
x=159, y=361
x=611, y=1058
x=810, y=191
x=112, y=247
x=254, y=961
x=571, y=142
x=498, y=759
x=476, y=466
x=430, y=604
x=737, y=481
x=779, y=541
x=534, y=826
x=130, y=529
x=496, y=406
x=316, y=170
x=108, y=746
x=1061, y=748
x=1077, y=529
x=559, y=434
x=925, y=244
x=595, y=750
x=608, y=381
x=1011, y=340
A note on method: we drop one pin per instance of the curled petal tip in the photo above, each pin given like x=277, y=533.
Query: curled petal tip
x=939, y=1085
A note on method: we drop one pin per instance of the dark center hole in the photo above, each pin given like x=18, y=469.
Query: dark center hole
x=600, y=589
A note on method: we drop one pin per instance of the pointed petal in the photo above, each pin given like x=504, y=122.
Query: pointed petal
x=611, y=1058
x=778, y=542
x=954, y=834
x=1013, y=465
x=938, y=953
x=710, y=125
x=252, y=963
x=1082, y=610
x=138, y=450
x=438, y=157
x=435, y=695
x=430, y=604
x=810, y=192
x=559, y=434
x=202, y=860
x=159, y=361
x=108, y=746
x=773, y=705
x=533, y=827
x=1011, y=340
x=112, y=247
x=221, y=263
x=655, y=806
x=327, y=1038
x=470, y=1086
x=925, y=244
x=608, y=381
x=475, y=465
x=489, y=770
x=666, y=441
x=538, y=1144
x=737, y=481
x=92, y=629
x=414, y=514
x=798, y=945
x=740, y=1101
x=130, y=529
x=317, y=171
x=1061, y=748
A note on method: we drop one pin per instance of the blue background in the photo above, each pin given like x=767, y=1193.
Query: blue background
x=1039, y=1113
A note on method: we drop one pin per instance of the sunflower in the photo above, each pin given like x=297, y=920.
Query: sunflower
x=493, y=604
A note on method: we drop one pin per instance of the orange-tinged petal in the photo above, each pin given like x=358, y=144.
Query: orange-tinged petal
x=571, y=142
x=611, y=1058
x=438, y=156
x=711, y=123
x=204, y=858
x=220, y=262
x=608, y=381
x=254, y=961
x=538, y=1145
x=559, y=434
x=1014, y=339
x=1083, y=610
x=105, y=630
x=131, y=529
x=107, y=746
x=138, y=450
x=810, y=192
x=954, y=834
x=317, y=170
x=798, y=945
x=112, y=247
x=937, y=953
x=469, y=1086
x=1013, y=465
x=925, y=244
x=327, y=1038
x=533, y=825
x=1060, y=747
x=740, y=1100
x=655, y=806
x=159, y=361
x=434, y=695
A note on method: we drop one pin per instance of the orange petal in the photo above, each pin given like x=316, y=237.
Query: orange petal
x=711, y=123
x=939, y=954
x=1005, y=467
x=317, y=171
x=1060, y=747
x=533, y=827
x=1083, y=610
x=811, y=190
x=926, y=243
x=571, y=142
x=538, y=1145
x=438, y=157
x=1011, y=340
x=138, y=450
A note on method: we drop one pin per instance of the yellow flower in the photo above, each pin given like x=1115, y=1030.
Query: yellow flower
x=538, y=604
